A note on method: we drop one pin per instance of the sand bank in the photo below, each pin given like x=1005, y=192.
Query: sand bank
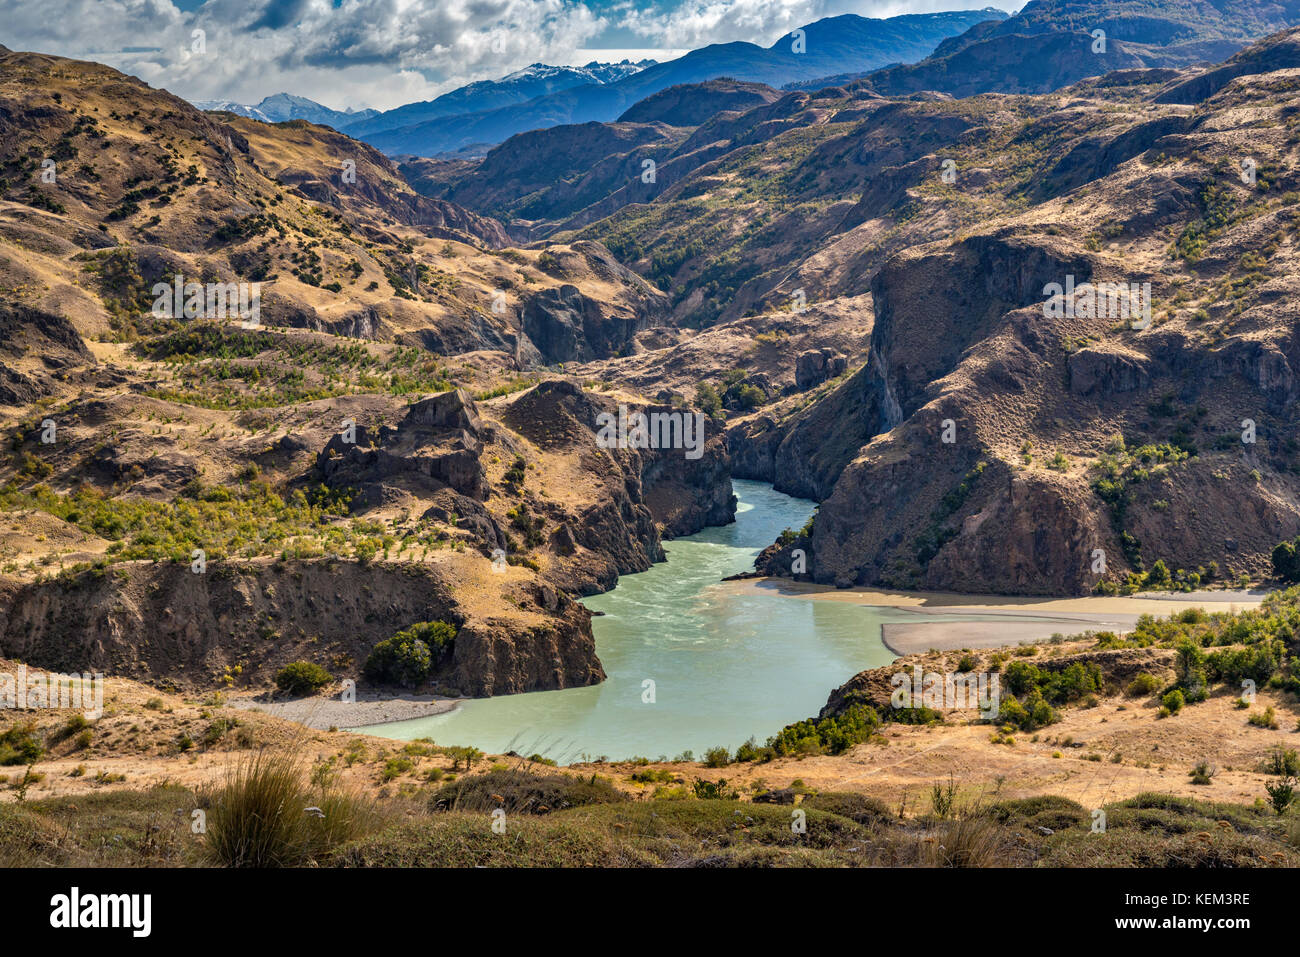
x=368, y=709
x=1014, y=619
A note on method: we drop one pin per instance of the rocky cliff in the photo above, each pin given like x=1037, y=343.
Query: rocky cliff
x=164, y=624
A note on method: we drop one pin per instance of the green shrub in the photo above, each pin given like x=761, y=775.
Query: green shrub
x=20, y=745
x=1173, y=701
x=1283, y=762
x=1046, y=810
x=409, y=656
x=717, y=757
x=856, y=807
x=1264, y=719
x=1142, y=684
x=1280, y=794
x=395, y=767
x=752, y=751
x=1030, y=715
x=833, y=734
x=1286, y=560
x=521, y=792
x=714, y=790
x=302, y=678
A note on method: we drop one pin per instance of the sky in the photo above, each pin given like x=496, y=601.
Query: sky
x=383, y=53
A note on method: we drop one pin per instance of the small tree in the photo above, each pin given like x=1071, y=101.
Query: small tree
x=409, y=656
x=1286, y=561
x=302, y=677
x=1281, y=794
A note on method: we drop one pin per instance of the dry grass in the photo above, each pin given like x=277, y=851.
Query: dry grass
x=266, y=816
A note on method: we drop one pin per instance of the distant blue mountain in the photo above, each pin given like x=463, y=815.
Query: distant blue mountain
x=834, y=46
x=519, y=87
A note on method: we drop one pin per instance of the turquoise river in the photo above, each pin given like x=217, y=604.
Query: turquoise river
x=726, y=664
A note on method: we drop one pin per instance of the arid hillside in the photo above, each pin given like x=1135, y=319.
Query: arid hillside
x=372, y=430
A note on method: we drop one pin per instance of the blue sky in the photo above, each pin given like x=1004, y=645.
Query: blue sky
x=382, y=53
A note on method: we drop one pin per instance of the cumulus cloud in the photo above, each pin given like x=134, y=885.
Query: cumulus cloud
x=693, y=23
x=361, y=52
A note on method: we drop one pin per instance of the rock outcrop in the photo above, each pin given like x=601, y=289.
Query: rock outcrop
x=567, y=326
x=815, y=366
x=437, y=445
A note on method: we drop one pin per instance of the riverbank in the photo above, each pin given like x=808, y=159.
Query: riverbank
x=1041, y=617
x=370, y=708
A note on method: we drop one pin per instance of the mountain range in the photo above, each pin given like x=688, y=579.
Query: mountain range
x=539, y=96
x=281, y=107
x=829, y=46
x=521, y=86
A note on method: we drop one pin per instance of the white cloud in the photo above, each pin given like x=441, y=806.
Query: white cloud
x=694, y=23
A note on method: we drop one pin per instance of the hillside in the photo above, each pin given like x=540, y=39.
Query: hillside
x=878, y=786
x=1037, y=340
x=327, y=441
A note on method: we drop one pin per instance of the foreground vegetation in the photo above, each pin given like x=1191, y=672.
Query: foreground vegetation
x=268, y=814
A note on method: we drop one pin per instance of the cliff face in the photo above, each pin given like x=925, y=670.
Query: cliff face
x=613, y=522
x=165, y=624
x=1026, y=443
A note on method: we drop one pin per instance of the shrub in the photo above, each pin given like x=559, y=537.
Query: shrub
x=395, y=767
x=409, y=656
x=714, y=790
x=1286, y=560
x=717, y=757
x=1142, y=684
x=20, y=745
x=1174, y=701
x=834, y=733
x=521, y=792
x=1283, y=762
x=752, y=751
x=1046, y=810
x=1030, y=715
x=302, y=678
x=1264, y=719
x=856, y=807
x=1280, y=794
x=75, y=724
